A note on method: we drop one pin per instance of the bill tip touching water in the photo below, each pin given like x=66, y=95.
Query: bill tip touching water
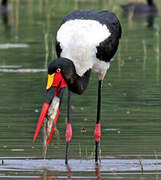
x=86, y=41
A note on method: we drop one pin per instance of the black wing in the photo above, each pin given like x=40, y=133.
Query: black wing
x=108, y=47
x=104, y=17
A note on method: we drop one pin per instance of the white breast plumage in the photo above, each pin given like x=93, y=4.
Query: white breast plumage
x=78, y=40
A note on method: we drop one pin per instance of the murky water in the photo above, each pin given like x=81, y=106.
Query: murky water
x=81, y=169
x=131, y=107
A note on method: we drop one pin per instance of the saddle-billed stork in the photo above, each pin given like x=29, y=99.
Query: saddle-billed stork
x=86, y=41
x=140, y=9
x=3, y=11
x=3, y=4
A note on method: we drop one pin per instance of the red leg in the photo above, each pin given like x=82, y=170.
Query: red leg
x=69, y=128
x=97, y=133
x=68, y=132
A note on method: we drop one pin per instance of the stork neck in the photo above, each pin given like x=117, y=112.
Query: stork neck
x=77, y=84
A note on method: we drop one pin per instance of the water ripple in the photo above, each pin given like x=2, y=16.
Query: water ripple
x=22, y=70
x=10, y=45
x=107, y=165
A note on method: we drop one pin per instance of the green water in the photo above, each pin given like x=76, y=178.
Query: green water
x=131, y=103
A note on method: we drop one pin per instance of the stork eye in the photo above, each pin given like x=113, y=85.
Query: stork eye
x=58, y=70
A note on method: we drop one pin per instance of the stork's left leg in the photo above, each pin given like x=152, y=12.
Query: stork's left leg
x=69, y=127
x=97, y=132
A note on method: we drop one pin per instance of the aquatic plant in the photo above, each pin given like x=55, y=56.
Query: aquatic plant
x=145, y=54
x=157, y=35
x=141, y=165
x=46, y=39
x=85, y=153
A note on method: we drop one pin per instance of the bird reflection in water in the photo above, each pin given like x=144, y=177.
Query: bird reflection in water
x=97, y=172
x=69, y=173
x=136, y=10
x=47, y=176
x=4, y=12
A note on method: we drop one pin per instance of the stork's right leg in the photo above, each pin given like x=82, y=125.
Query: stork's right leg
x=97, y=133
x=69, y=127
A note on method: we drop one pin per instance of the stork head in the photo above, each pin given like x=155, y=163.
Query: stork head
x=74, y=82
x=61, y=72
